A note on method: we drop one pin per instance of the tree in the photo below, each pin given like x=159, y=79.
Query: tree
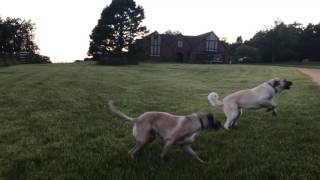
x=279, y=43
x=170, y=32
x=249, y=53
x=16, y=35
x=119, y=24
x=239, y=40
x=309, y=43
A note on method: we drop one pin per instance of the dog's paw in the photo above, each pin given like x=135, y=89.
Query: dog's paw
x=131, y=155
x=164, y=160
x=274, y=113
x=203, y=162
x=227, y=130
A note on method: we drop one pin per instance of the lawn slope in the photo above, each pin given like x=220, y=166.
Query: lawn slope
x=53, y=124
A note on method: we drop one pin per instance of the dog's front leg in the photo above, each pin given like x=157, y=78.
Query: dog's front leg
x=271, y=106
x=274, y=111
x=189, y=150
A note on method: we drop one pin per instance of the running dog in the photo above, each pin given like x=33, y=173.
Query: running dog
x=172, y=129
x=255, y=98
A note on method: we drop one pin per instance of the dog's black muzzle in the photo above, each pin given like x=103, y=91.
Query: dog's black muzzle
x=287, y=84
x=213, y=123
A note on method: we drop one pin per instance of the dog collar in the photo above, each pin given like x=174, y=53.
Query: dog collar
x=275, y=90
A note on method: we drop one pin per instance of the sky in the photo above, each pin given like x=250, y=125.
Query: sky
x=63, y=26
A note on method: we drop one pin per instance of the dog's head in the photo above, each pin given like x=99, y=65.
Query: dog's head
x=280, y=84
x=212, y=122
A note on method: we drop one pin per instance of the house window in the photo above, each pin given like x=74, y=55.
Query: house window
x=155, y=45
x=211, y=43
x=180, y=44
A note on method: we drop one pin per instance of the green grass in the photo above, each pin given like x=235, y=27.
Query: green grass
x=53, y=124
x=312, y=65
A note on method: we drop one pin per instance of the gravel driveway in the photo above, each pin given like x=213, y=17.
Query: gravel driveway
x=313, y=73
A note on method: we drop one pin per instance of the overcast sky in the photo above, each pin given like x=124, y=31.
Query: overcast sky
x=64, y=26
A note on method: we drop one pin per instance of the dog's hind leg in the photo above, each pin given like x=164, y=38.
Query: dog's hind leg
x=135, y=149
x=189, y=150
x=235, y=122
x=139, y=145
x=142, y=138
x=232, y=112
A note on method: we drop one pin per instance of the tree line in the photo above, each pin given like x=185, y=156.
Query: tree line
x=120, y=24
x=17, y=39
x=280, y=43
x=112, y=39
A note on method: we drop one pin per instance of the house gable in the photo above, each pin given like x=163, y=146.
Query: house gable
x=182, y=48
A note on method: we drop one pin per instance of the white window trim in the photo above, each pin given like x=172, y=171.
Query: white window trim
x=180, y=44
x=211, y=45
x=155, y=48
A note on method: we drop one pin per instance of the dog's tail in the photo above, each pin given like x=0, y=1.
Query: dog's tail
x=117, y=112
x=214, y=99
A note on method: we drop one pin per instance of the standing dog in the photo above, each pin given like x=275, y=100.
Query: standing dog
x=255, y=98
x=180, y=130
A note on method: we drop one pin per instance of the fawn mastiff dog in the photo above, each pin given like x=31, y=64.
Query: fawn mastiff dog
x=259, y=97
x=172, y=129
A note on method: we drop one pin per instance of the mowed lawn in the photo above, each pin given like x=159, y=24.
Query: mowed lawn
x=53, y=124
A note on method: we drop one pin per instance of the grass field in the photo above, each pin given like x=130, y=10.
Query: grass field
x=53, y=124
x=312, y=65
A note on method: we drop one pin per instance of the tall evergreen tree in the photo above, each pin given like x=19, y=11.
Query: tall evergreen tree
x=119, y=24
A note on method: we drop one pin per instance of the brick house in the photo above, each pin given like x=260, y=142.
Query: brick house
x=204, y=48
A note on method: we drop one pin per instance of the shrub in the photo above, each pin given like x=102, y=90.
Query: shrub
x=118, y=60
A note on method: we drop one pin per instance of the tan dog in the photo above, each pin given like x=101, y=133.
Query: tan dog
x=255, y=98
x=180, y=130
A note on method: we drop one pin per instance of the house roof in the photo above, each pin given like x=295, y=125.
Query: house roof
x=170, y=39
x=188, y=37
